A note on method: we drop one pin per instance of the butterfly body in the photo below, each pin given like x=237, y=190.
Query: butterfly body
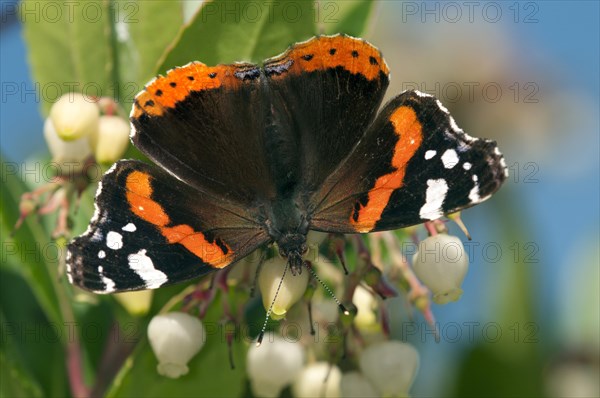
x=247, y=155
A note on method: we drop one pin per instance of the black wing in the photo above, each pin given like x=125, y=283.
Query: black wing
x=413, y=164
x=324, y=94
x=151, y=230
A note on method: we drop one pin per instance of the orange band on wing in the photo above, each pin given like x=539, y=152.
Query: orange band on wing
x=197, y=244
x=166, y=91
x=139, y=193
x=408, y=128
x=139, y=197
x=355, y=55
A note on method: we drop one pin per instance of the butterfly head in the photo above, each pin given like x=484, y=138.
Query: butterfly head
x=293, y=247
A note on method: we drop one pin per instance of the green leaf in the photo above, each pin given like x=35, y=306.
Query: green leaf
x=210, y=374
x=228, y=31
x=30, y=251
x=68, y=46
x=348, y=16
x=16, y=380
x=144, y=29
x=27, y=336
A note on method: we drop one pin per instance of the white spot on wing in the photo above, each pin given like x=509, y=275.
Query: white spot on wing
x=144, y=267
x=450, y=158
x=434, y=199
x=474, y=193
x=129, y=228
x=422, y=94
x=429, y=154
x=110, y=284
x=467, y=166
x=101, y=254
x=114, y=240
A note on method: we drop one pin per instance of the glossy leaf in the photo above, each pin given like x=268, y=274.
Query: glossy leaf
x=349, y=16
x=68, y=45
x=228, y=31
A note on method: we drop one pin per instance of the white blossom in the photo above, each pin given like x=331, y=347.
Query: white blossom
x=355, y=385
x=319, y=379
x=75, y=116
x=273, y=365
x=113, y=138
x=390, y=366
x=441, y=263
x=292, y=287
x=175, y=338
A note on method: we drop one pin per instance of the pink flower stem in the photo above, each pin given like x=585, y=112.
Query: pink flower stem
x=418, y=294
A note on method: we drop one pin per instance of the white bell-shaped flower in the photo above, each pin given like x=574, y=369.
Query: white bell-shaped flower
x=69, y=155
x=175, y=338
x=273, y=365
x=75, y=116
x=390, y=366
x=112, y=140
x=355, y=385
x=292, y=287
x=319, y=379
x=441, y=263
x=366, y=305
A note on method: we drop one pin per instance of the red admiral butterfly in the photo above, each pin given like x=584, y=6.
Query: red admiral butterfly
x=248, y=155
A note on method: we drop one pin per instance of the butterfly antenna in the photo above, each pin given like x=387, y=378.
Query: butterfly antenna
x=264, y=326
x=327, y=289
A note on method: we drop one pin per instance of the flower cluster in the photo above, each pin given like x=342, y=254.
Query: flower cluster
x=79, y=127
x=359, y=356
x=81, y=133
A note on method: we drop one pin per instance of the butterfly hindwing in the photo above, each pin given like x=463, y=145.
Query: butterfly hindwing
x=414, y=164
x=151, y=230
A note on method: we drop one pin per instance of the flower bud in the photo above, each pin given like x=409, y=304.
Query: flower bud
x=273, y=365
x=319, y=379
x=365, y=304
x=441, y=263
x=354, y=384
x=175, y=338
x=136, y=303
x=113, y=138
x=292, y=287
x=75, y=116
x=70, y=154
x=390, y=366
